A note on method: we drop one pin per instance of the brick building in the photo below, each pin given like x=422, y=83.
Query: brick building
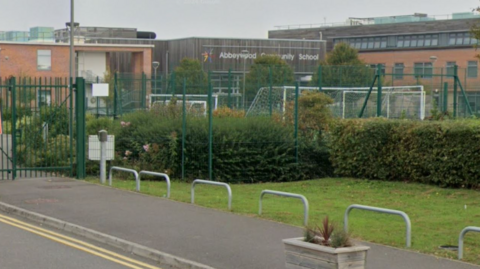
x=413, y=49
x=26, y=59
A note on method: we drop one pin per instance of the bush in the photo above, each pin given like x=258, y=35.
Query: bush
x=244, y=149
x=442, y=153
x=57, y=118
x=96, y=124
x=56, y=153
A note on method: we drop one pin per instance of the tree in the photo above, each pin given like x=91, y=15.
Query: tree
x=196, y=79
x=475, y=31
x=259, y=75
x=343, y=68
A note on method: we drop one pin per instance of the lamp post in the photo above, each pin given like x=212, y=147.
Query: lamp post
x=72, y=24
x=245, y=55
x=155, y=66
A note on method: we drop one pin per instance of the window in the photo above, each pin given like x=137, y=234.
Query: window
x=423, y=70
x=450, y=67
x=428, y=40
x=377, y=42
x=400, y=41
x=451, y=39
x=406, y=43
x=44, y=60
x=472, y=69
x=398, y=71
x=459, y=39
x=358, y=43
x=370, y=43
x=413, y=43
x=364, y=43
x=383, y=43
x=466, y=39
x=434, y=40
x=382, y=68
x=473, y=40
x=44, y=98
x=421, y=40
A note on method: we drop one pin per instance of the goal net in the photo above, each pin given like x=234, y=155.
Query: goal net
x=397, y=101
x=218, y=99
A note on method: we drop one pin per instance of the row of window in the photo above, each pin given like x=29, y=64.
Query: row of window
x=425, y=69
x=417, y=41
x=410, y=41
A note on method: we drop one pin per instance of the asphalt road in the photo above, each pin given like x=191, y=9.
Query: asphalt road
x=25, y=246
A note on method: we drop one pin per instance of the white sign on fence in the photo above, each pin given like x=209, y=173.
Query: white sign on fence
x=94, y=148
x=99, y=89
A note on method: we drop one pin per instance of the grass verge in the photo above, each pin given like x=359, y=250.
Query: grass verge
x=437, y=215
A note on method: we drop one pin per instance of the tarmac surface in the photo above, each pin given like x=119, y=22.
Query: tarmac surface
x=214, y=238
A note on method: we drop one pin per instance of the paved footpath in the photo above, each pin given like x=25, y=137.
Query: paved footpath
x=214, y=238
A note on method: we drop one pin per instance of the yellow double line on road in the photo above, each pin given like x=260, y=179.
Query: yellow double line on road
x=77, y=244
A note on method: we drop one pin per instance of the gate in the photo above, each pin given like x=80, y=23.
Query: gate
x=37, y=128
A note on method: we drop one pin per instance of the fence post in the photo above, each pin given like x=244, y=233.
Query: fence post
x=229, y=102
x=80, y=121
x=98, y=101
x=296, y=122
x=319, y=77
x=379, y=91
x=465, y=98
x=70, y=125
x=445, y=97
x=367, y=97
x=103, y=137
x=184, y=126
x=455, y=91
x=13, y=89
x=393, y=75
x=144, y=90
x=115, y=95
x=173, y=83
x=210, y=128
x=270, y=81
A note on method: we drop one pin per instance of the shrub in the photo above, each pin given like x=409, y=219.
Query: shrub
x=96, y=124
x=443, y=153
x=244, y=149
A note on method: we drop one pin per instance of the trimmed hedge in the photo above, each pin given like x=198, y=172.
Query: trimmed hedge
x=445, y=153
x=244, y=149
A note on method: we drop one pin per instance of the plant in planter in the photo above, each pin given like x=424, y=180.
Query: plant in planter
x=324, y=247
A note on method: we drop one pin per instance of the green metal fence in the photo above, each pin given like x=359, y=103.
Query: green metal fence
x=39, y=128
x=197, y=102
x=398, y=91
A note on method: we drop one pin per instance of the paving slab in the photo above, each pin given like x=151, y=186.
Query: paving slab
x=215, y=238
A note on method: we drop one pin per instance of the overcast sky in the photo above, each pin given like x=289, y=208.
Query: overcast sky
x=210, y=18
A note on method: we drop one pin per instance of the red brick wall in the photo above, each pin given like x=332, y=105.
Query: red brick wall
x=409, y=57
x=22, y=60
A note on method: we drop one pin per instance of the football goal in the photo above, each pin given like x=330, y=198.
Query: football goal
x=397, y=101
x=218, y=99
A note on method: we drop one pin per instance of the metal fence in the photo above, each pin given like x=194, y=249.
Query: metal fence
x=42, y=127
x=204, y=108
x=262, y=89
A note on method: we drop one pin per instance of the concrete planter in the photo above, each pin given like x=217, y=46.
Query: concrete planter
x=300, y=254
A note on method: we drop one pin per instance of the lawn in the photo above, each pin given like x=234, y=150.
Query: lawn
x=437, y=215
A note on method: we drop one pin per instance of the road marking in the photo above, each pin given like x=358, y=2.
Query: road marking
x=56, y=237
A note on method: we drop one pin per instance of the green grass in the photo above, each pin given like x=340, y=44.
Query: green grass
x=437, y=215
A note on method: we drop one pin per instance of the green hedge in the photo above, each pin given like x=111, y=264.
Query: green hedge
x=244, y=149
x=443, y=153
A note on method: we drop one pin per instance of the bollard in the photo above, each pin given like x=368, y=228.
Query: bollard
x=103, y=137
